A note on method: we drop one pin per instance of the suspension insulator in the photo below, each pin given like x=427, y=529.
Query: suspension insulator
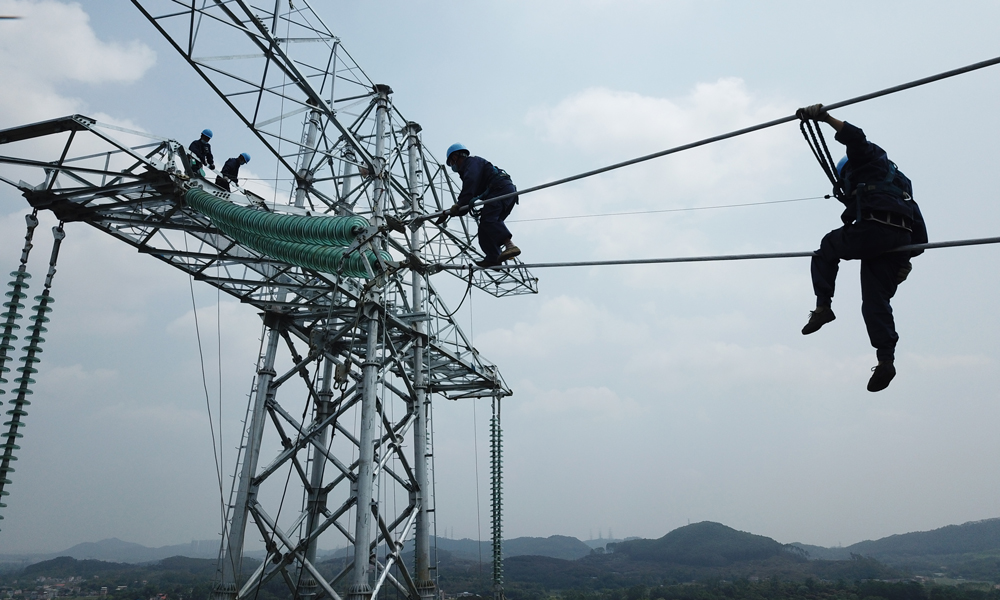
x=322, y=230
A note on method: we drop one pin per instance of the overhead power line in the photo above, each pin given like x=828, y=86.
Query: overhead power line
x=715, y=258
x=738, y=132
x=670, y=210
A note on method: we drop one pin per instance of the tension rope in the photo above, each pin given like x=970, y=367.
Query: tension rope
x=34, y=339
x=726, y=136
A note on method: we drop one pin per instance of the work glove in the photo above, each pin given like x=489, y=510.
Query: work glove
x=904, y=272
x=441, y=220
x=457, y=211
x=812, y=112
x=211, y=167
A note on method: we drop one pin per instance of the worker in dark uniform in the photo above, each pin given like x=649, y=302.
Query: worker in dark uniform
x=231, y=171
x=880, y=215
x=482, y=181
x=201, y=152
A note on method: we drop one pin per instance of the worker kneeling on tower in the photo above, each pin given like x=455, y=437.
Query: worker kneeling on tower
x=483, y=181
x=880, y=215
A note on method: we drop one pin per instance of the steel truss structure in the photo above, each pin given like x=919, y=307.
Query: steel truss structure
x=369, y=353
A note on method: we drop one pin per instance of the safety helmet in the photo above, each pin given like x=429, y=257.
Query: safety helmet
x=246, y=157
x=840, y=166
x=207, y=133
x=453, y=149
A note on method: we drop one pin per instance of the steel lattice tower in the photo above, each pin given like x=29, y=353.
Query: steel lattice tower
x=372, y=350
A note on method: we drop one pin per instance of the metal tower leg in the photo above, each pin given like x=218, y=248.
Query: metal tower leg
x=360, y=588
x=422, y=546
x=232, y=556
x=316, y=497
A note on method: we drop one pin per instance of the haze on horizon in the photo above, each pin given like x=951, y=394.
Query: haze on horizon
x=645, y=397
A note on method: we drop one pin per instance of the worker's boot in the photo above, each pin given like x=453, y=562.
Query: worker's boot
x=882, y=374
x=509, y=252
x=487, y=262
x=818, y=318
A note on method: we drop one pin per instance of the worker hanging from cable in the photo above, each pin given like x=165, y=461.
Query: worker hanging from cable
x=482, y=181
x=880, y=215
x=231, y=171
x=201, y=152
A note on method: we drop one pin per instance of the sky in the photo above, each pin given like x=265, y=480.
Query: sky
x=645, y=397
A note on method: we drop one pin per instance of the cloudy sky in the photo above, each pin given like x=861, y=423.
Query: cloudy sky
x=645, y=397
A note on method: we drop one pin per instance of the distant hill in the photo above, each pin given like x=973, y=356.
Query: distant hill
x=66, y=566
x=969, y=538
x=975, y=536
x=554, y=546
x=704, y=544
x=116, y=550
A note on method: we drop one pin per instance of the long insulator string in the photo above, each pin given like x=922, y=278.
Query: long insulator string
x=732, y=134
x=31, y=350
x=292, y=239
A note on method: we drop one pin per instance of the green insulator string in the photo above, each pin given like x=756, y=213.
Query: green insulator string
x=34, y=340
x=325, y=231
x=12, y=314
x=311, y=242
x=328, y=259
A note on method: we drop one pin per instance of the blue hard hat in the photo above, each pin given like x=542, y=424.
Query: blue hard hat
x=840, y=166
x=246, y=157
x=207, y=133
x=453, y=149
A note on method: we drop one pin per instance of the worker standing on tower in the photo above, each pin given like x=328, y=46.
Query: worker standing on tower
x=482, y=181
x=231, y=171
x=880, y=215
x=202, y=152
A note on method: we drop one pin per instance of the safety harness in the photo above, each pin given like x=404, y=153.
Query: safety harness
x=894, y=184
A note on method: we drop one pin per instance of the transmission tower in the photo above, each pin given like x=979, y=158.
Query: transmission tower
x=339, y=268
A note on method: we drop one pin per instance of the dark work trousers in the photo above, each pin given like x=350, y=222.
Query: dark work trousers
x=223, y=183
x=867, y=241
x=492, y=230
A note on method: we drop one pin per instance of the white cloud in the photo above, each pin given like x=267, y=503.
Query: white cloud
x=597, y=405
x=608, y=126
x=54, y=44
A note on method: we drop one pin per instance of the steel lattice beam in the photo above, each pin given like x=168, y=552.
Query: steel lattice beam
x=134, y=193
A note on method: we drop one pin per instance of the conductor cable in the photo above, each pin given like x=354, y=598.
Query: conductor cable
x=714, y=258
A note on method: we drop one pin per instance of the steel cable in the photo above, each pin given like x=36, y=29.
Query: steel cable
x=732, y=134
x=714, y=258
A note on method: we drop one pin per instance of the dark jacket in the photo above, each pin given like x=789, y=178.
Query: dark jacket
x=873, y=184
x=480, y=179
x=203, y=152
x=232, y=169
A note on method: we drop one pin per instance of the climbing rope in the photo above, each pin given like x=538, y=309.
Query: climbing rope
x=813, y=135
x=468, y=290
x=34, y=339
x=732, y=134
